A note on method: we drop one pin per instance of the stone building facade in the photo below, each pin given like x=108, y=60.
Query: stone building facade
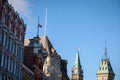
x=12, y=32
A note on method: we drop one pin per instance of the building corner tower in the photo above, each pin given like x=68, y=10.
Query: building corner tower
x=77, y=72
x=105, y=71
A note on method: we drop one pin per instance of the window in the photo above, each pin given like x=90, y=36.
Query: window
x=5, y=61
x=8, y=63
x=20, y=71
x=11, y=65
x=103, y=68
x=15, y=49
x=2, y=62
x=3, y=35
x=5, y=39
x=9, y=43
x=15, y=68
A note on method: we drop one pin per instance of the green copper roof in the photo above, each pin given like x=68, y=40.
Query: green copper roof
x=105, y=67
x=77, y=61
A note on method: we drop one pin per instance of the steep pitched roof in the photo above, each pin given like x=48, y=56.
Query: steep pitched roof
x=105, y=67
x=77, y=61
x=77, y=65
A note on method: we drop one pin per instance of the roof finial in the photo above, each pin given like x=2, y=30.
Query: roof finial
x=78, y=49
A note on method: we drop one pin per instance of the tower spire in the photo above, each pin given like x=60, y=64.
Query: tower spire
x=105, y=53
x=77, y=60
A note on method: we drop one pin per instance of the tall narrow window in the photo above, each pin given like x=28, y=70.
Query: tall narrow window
x=2, y=62
x=15, y=68
x=12, y=46
x=11, y=65
x=9, y=43
x=5, y=61
x=8, y=63
x=3, y=37
x=20, y=71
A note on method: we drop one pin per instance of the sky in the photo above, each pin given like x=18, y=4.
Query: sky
x=73, y=24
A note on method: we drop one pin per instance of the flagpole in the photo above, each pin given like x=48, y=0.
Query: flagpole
x=45, y=22
x=38, y=28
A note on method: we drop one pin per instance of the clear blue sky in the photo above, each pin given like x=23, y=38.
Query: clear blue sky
x=77, y=23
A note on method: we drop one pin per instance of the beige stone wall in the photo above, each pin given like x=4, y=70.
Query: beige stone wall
x=105, y=77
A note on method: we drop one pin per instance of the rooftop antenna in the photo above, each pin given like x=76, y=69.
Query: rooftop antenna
x=38, y=28
x=45, y=22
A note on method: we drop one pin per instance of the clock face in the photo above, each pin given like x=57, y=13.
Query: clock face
x=50, y=68
x=75, y=71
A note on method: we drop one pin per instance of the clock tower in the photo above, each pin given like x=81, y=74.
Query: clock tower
x=77, y=72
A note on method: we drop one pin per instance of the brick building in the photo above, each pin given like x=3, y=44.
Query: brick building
x=12, y=32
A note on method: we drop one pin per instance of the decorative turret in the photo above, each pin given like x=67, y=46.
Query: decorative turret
x=105, y=71
x=77, y=72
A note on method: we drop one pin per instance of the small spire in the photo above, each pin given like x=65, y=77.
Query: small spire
x=77, y=60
